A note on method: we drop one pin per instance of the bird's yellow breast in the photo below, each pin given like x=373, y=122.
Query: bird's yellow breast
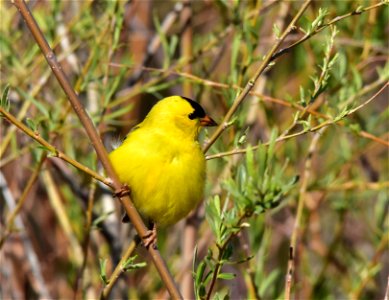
x=165, y=172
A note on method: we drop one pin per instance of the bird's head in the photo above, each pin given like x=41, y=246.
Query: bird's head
x=181, y=113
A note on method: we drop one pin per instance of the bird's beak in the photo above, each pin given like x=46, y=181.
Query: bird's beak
x=207, y=121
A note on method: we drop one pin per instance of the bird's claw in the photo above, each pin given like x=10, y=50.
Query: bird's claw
x=150, y=238
x=123, y=191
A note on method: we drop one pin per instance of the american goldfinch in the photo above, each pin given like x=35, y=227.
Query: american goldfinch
x=162, y=162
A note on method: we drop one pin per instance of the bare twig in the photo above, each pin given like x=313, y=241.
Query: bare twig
x=300, y=206
x=96, y=143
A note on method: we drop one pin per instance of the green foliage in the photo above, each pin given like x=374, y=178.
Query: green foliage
x=103, y=270
x=4, y=101
x=257, y=186
x=130, y=264
x=252, y=197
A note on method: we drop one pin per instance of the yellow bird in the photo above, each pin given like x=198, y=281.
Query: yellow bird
x=162, y=162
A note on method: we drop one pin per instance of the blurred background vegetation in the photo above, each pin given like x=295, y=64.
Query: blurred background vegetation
x=312, y=178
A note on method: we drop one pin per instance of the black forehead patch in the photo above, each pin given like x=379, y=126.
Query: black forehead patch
x=198, y=110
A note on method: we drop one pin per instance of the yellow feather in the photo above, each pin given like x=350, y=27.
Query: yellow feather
x=162, y=162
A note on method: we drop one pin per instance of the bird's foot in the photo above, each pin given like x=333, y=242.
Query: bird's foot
x=150, y=238
x=123, y=191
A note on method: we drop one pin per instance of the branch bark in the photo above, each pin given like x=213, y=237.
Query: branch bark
x=96, y=142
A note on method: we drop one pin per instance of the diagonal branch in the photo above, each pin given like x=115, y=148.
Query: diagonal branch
x=96, y=142
x=250, y=84
x=54, y=152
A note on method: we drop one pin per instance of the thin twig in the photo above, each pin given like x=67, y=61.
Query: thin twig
x=315, y=128
x=59, y=209
x=85, y=243
x=221, y=249
x=119, y=268
x=96, y=143
x=300, y=207
x=367, y=273
x=352, y=185
x=54, y=152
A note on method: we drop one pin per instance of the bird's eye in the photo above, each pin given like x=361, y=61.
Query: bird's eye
x=192, y=115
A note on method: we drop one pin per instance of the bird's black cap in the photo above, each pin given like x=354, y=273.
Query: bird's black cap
x=198, y=110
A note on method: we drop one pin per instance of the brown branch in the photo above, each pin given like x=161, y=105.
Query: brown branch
x=96, y=142
x=54, y=152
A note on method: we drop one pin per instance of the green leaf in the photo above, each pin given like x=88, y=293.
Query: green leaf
x=40, y=106
x=118, y=113
x=359, y=9
x=262, y=154
x=173, y=45
x=201, y=291
x=100, y=219
x=200, y=273
x=250, y=161
x=103, y=273
x=31, y=124
x=276, y=30
x=268, y=281
x=236, y=44
x=270, y=151
x=129, y=264
x=113, y=86
x=4, y=102
x=303, y=101
x=226, y=276
x=163, y=39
